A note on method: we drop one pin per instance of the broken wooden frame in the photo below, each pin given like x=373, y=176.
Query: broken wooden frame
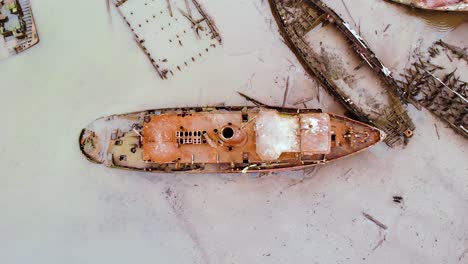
x=395, y=121
x=443, y=93
x=156, y=28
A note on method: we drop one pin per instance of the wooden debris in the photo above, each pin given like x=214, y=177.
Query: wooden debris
x=134, y=18
x=461, y=52
x=285, y=92
x=296, y=18
x=305, y=100
x=397, y=199
x=254, y=101
x=375, y=221
x=349, y=13
x=380, y=243
x=169, y=7
x=437, y=131
x=386, y=28
x=108, y=7
x=189, y=10
x=214, y=30
x=444, y=94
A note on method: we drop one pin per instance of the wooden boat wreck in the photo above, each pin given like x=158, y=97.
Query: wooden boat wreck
x=436, y=84
x=173, y=34
x=17, y=28
x=224, y=139
x=338, y=57
x=438, y=5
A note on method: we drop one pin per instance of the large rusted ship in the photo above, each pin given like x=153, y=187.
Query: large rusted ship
x=439, y=5
x=224, y=139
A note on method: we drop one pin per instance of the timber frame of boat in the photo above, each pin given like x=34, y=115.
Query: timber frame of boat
x=162, y=72
x=396, y=122
x=441, y=92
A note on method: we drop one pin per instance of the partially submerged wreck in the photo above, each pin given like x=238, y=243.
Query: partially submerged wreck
x=17, y=27
x=338, y=57
x=439, y=5
x=173, y=34
x=224, y=139
x=436, y=84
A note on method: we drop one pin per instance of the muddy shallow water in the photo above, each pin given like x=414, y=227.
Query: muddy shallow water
x=57, y=207
x=440, y=21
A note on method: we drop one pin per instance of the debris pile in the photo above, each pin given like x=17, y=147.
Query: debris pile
x=439, y=88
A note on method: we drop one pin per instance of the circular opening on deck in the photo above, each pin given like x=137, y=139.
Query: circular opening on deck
x=228, y=132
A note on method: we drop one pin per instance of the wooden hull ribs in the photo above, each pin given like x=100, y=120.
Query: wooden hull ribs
x=173, y=34
x=307, y=26
x=436, y=84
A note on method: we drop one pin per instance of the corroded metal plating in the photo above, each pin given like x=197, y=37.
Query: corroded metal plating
x=224, y=139
x=439, y=5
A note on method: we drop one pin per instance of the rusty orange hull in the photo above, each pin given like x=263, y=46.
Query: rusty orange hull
x=438, y=5
x=224, y=139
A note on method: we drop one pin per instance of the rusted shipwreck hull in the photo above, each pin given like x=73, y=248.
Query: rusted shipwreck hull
x=296, y=19
x=439, y=5
x=17, y=27
x=224, y=139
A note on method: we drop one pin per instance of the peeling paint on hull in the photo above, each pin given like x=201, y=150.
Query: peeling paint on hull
x=224, y=139
x=438, y=5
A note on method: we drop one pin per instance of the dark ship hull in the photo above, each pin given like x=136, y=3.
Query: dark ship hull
x=297, y=19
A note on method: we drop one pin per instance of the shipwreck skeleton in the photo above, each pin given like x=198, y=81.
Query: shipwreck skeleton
x=175, y=21
x=438, y=89
x=296, y=18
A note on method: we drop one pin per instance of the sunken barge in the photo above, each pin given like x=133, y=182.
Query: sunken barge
x=296, y=19
x=224, y=139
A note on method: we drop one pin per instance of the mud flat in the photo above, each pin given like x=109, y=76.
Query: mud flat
x=57, y=207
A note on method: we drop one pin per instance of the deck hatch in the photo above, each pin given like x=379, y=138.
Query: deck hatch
x=315, y=133
x=189, y=137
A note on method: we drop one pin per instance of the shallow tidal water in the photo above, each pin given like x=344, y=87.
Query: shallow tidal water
x=56, y=207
